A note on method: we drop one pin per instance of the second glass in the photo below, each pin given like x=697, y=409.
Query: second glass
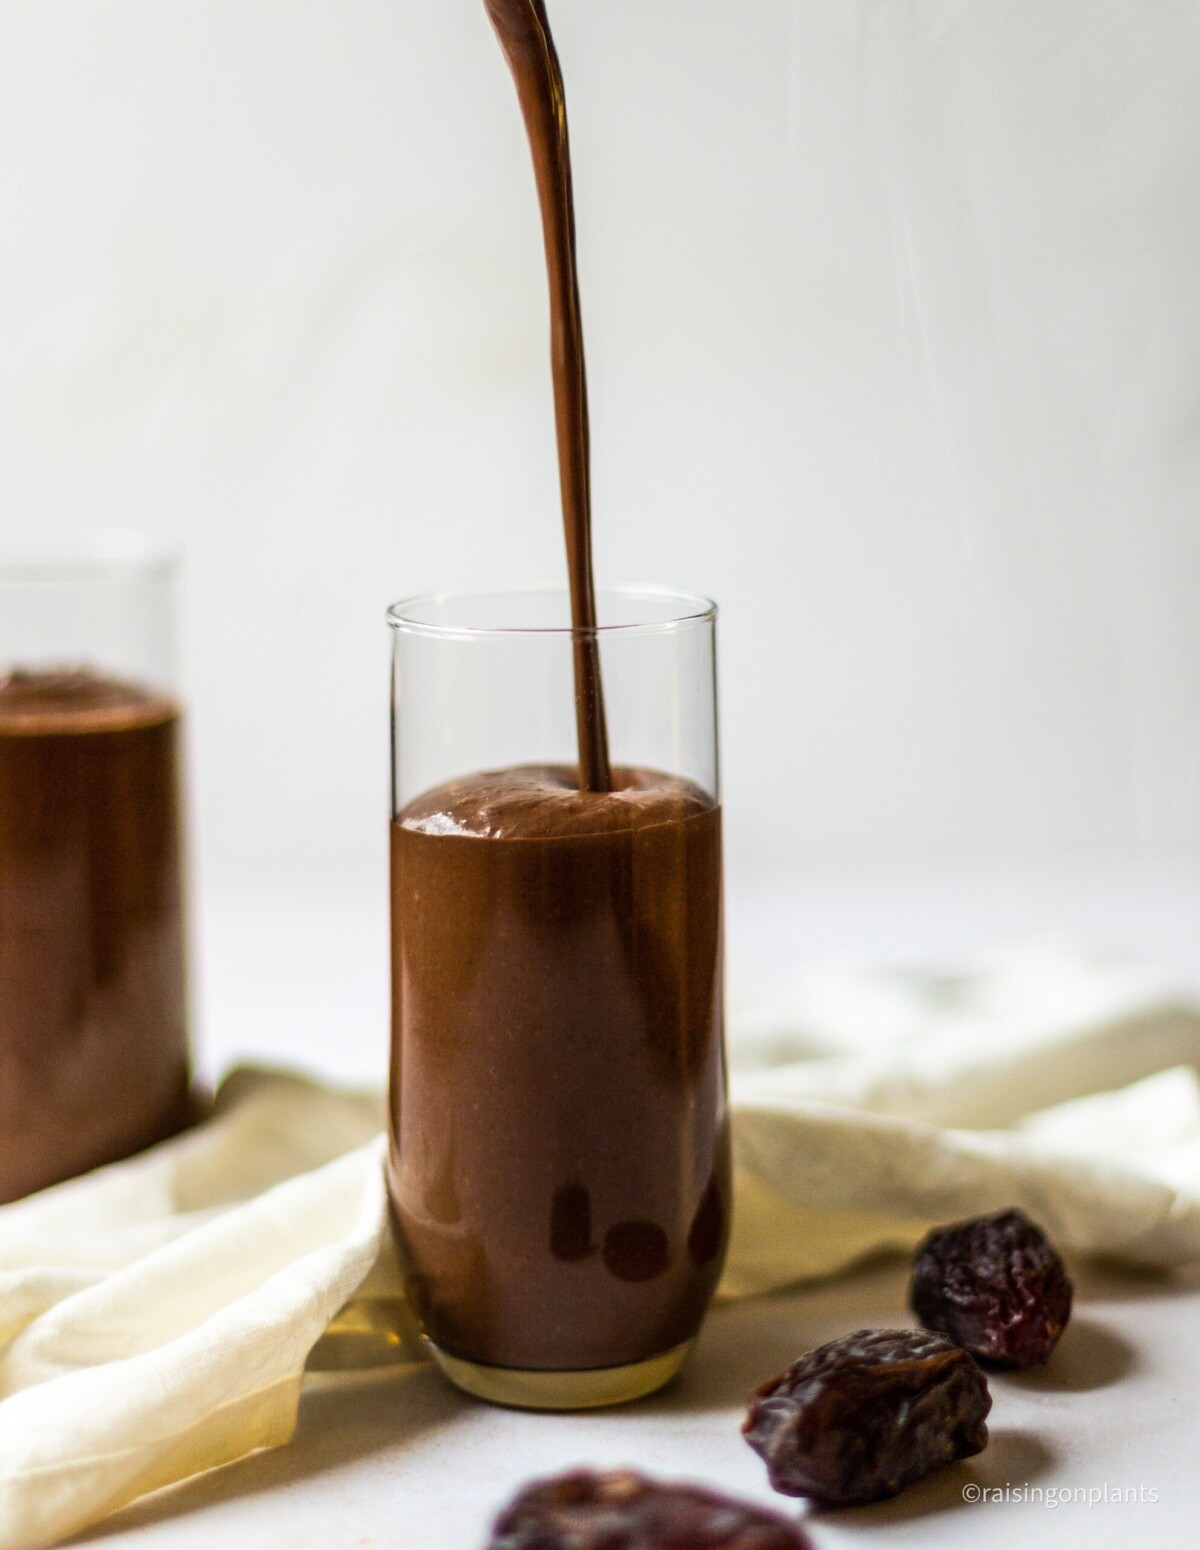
x=93, y=1006
x=559, y=1157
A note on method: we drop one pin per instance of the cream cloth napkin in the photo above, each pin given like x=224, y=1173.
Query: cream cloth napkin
x=156, y=1316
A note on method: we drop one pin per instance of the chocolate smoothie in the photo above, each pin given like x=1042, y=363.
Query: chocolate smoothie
x=559, y=1167
x=559, y=1158
x=93, y=1056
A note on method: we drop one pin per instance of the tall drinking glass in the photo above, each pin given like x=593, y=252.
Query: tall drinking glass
x=93, y=1025
x=559, y=1151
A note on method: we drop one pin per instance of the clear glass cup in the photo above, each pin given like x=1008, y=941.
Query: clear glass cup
x=559, y=1151
x=93, y=1006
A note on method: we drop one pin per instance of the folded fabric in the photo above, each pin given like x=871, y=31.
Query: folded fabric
x=871, y=1104
x=156, y=1316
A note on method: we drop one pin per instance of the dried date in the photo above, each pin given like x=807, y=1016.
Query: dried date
x=620, y=1510
x=860, y=1418
x=995, y=1285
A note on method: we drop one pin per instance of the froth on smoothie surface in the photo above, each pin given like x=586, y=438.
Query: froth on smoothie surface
x=543, y=801
x=76, y=700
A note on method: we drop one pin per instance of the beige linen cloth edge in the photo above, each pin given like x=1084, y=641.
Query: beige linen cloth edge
x=156, y=1316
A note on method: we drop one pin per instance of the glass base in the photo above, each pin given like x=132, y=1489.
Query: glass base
x=585, y=1390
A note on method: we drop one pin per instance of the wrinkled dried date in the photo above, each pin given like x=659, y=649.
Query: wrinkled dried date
x=624, y=1511
x=862, y=1417
x=995, y=1285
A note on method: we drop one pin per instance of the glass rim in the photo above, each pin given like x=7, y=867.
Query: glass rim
x=90, y=554
x=693, y=609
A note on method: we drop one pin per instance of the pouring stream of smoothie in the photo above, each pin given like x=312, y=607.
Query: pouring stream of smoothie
x=524, y=32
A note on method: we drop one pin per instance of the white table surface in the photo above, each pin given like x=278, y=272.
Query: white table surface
x=396, y=1458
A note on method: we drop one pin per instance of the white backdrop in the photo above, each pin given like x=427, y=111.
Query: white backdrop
x=894, y=332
